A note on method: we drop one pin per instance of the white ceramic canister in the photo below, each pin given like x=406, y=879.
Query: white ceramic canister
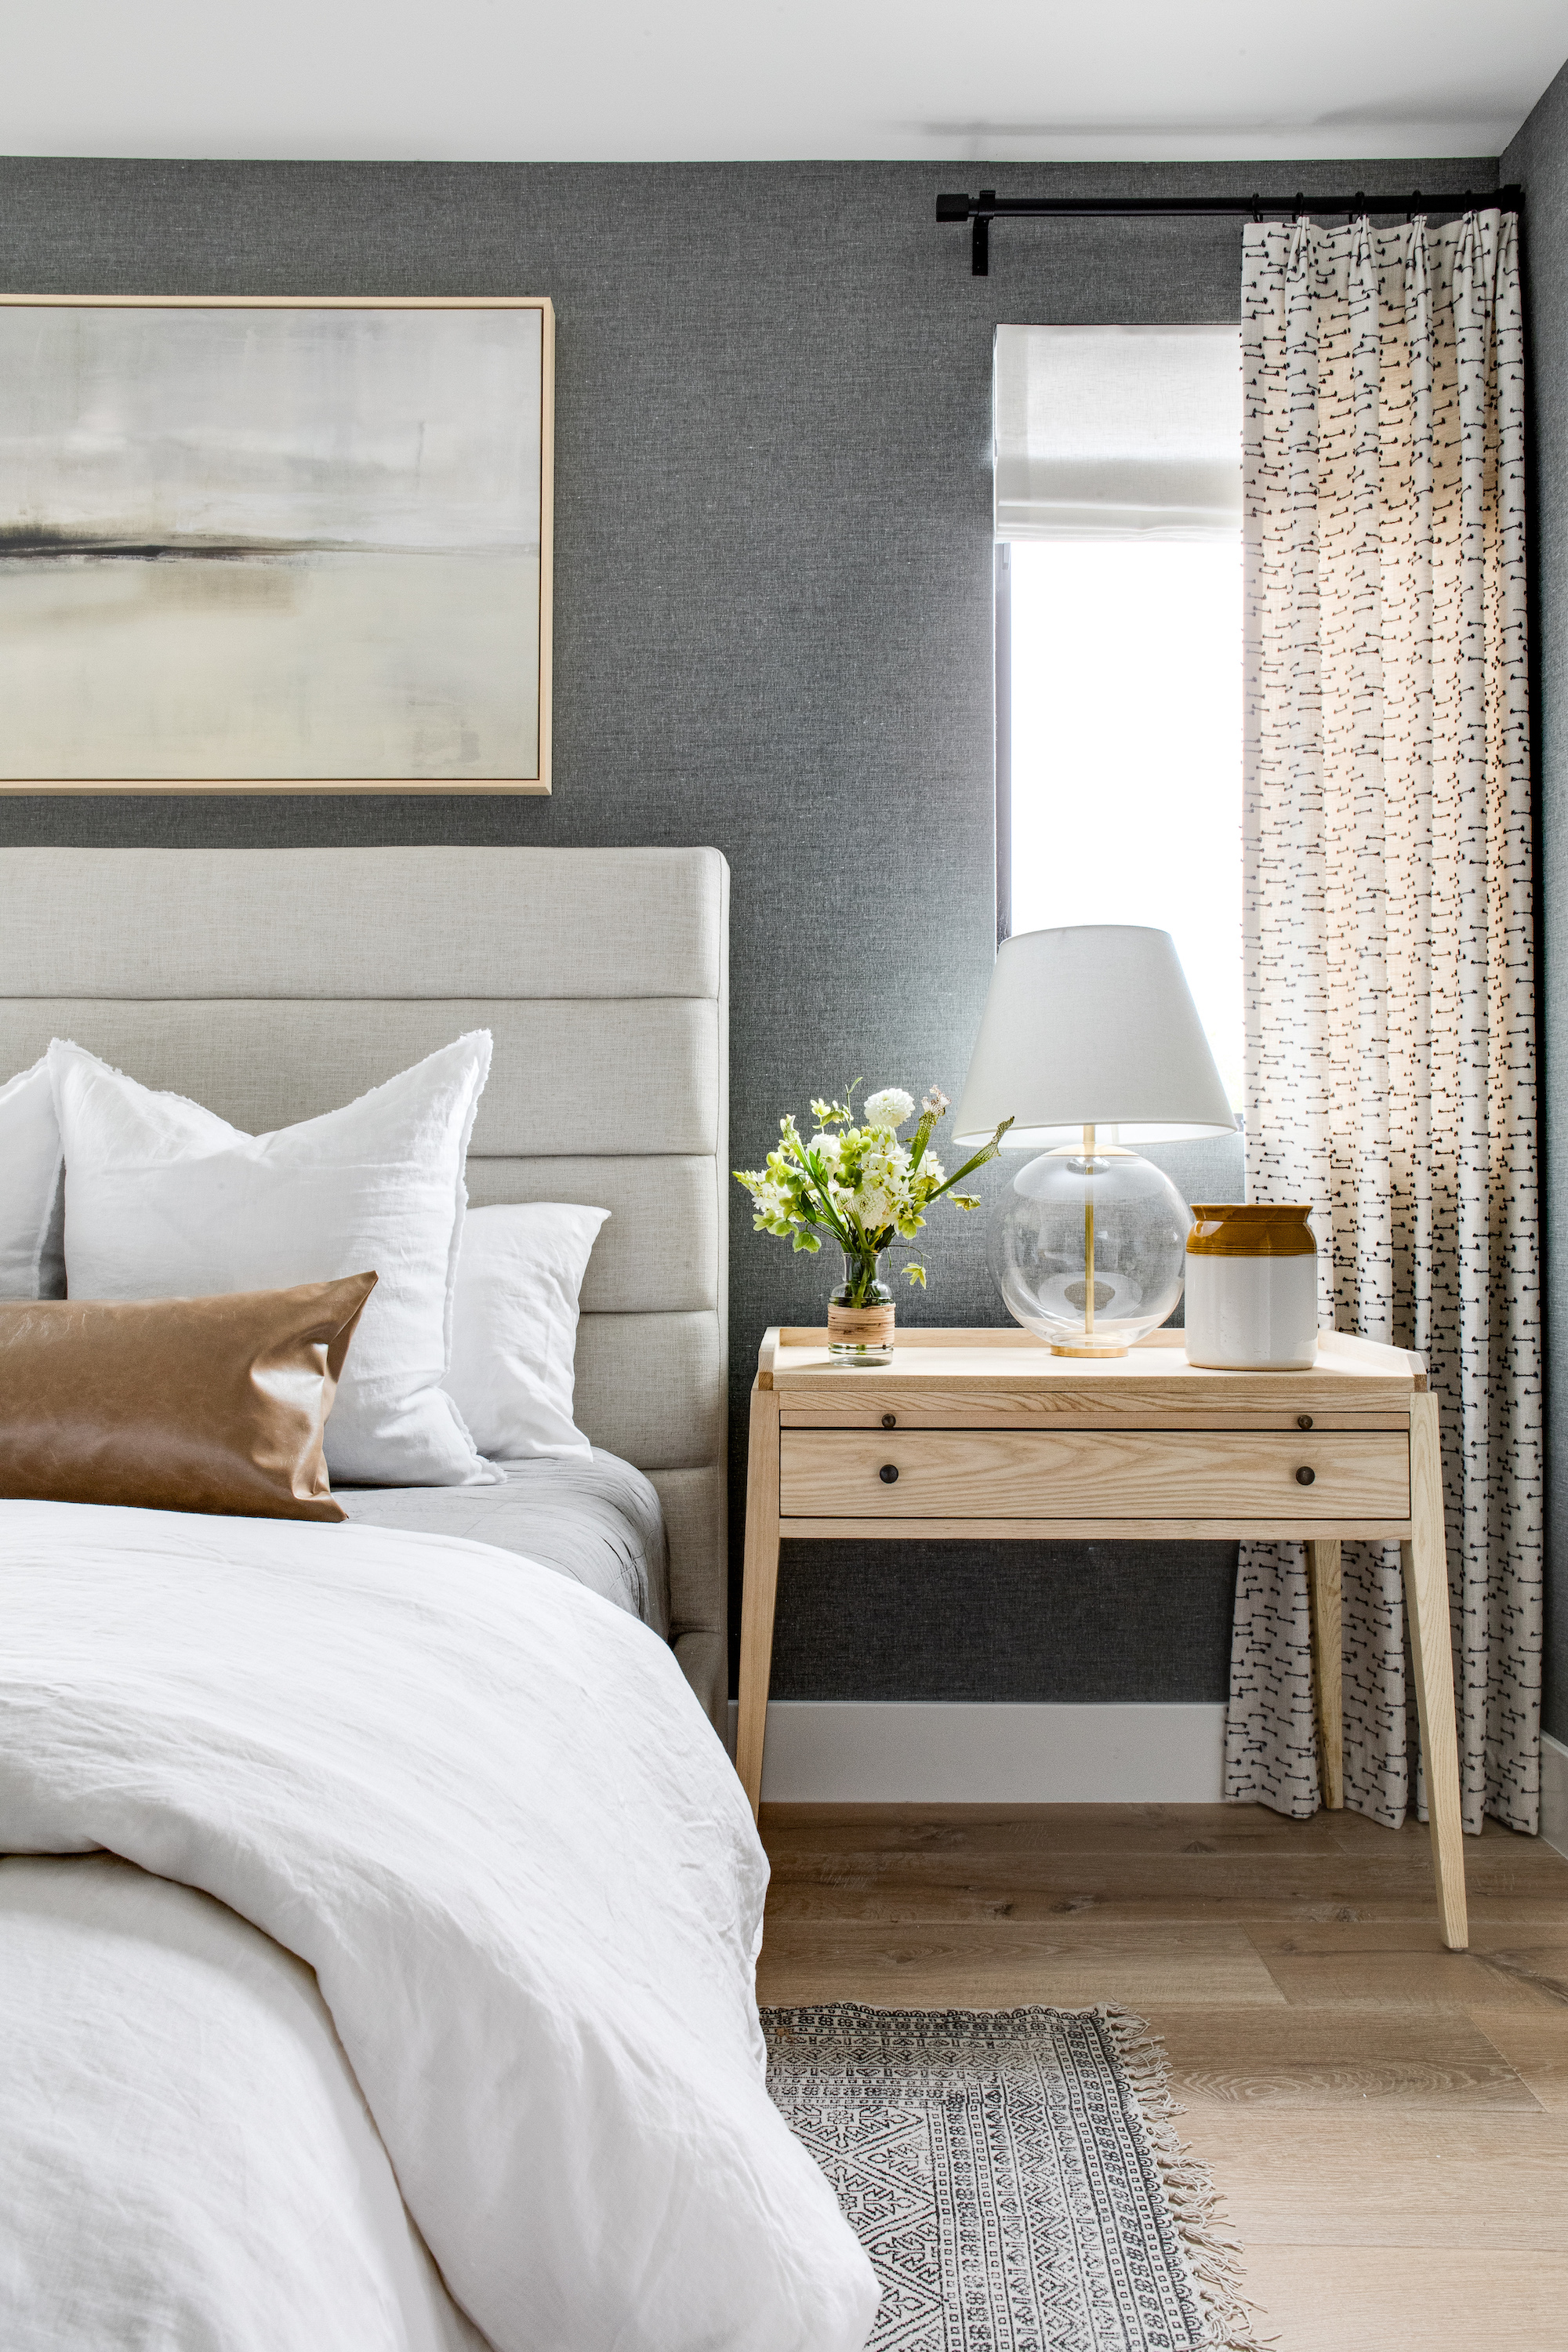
x=1252, y=1288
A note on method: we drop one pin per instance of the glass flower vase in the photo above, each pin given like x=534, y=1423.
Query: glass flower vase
x=860, y=1313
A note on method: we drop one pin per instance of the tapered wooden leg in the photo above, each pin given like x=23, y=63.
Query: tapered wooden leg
x=1323, y=1578
x=760, y=1587
x=1423, y=1562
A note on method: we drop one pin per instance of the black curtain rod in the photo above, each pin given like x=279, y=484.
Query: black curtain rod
x=987, y=206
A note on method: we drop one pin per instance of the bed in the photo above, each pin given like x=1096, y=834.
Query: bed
x=380, y=1908
x=598, y=1522
x=272, y=985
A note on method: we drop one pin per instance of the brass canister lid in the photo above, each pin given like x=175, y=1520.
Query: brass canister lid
x=1253, y=1229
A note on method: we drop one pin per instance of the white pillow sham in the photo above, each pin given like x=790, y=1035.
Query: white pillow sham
x=32, y=1264
x=165, y=1200
x=514, y=1328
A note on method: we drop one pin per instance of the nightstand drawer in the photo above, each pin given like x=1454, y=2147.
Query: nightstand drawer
x=1152, y=1473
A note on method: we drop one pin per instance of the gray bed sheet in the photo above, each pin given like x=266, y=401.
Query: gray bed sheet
x=598, y=1522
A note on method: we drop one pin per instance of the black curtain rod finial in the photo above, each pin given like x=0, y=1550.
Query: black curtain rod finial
x=980, y=243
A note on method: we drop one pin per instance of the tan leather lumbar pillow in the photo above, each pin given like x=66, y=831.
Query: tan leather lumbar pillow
x=177, y=1404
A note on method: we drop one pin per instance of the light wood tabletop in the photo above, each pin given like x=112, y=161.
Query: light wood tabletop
x=986, y=1432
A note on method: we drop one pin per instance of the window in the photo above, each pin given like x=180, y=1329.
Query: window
x=1119, y=642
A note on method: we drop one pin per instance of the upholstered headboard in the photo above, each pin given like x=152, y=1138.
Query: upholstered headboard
x=271, y=984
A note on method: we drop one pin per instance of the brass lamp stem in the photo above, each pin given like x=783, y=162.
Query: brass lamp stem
x=1089, y=1236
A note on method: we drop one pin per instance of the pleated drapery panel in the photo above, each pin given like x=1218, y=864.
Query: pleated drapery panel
x=1390, y=1015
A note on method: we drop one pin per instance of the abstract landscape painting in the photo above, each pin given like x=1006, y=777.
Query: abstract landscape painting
x=275, y=546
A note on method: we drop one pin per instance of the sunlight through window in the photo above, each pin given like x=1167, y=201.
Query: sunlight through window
x=1126, y=751
x=1117, y=517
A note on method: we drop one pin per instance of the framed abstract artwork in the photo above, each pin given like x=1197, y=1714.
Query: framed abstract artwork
x=259, y=544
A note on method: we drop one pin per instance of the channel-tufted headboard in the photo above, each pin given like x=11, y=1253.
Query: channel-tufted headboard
x=271, y=984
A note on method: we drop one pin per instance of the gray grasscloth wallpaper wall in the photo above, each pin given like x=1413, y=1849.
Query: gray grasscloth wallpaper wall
x=772, y=633
x=1538, y=157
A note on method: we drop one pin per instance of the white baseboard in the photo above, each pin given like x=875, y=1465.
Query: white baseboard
x=1554, y=1792
x=884, y=1752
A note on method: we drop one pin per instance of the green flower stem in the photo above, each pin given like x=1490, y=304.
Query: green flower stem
x=803, y=1195
x=864, y=1276
x=987, y=1152
x=854, y=1240
x=846, y=1240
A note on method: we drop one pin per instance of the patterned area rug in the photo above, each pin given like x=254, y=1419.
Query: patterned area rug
x=1014, y=2176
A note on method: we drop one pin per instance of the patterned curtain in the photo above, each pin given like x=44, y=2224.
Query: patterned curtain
x=1390, y=1037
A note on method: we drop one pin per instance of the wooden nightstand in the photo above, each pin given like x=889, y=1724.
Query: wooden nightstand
x=987, y=1433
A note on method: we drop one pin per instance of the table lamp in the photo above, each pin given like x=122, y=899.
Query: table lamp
x=1089, y=1042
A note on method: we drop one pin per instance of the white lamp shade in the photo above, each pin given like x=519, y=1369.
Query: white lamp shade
x=1093, y=1025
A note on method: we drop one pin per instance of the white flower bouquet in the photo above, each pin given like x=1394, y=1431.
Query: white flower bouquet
x=857, y=1183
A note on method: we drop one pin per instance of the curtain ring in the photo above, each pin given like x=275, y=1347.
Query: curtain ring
x=1301, y=205
x=1414, y=200
x=1257, y=211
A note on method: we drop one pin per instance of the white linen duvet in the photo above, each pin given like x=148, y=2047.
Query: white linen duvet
x=482, y=1805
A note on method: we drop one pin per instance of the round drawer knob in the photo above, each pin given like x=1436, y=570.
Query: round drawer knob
x=888, y=1473
x=890, y=1421
x=1303, y=1477
x=1303, y=1420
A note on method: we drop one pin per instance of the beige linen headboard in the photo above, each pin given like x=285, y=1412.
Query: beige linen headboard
x=271, y=984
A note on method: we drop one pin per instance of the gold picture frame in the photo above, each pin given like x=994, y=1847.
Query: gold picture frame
x=275, y=543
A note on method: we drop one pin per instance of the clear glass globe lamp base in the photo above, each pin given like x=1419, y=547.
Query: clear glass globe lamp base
x=1087, y=1246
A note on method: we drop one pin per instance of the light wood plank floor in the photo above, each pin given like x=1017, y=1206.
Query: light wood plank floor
x=1387, y=2120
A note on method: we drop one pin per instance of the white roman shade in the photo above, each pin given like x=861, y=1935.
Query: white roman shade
x=1118, y=432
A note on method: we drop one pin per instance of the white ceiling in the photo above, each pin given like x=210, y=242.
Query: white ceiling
x=625, y=80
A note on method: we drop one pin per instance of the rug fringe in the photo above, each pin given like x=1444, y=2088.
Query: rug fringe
x=1213, y=2250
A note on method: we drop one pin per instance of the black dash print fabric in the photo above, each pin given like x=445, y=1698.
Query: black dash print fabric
x=1387, y=912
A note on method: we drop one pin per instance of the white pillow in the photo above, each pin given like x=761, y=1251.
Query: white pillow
x=514, y=1328
x=31, y=1261
x=164, y=1200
